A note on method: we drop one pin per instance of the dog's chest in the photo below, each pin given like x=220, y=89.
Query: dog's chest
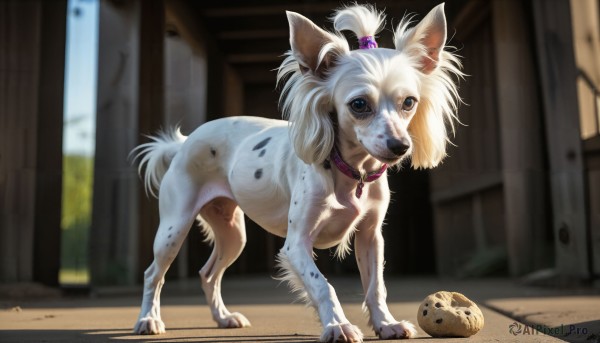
x=338, y=223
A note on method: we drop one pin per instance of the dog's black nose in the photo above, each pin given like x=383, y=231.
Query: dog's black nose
x=398, y=146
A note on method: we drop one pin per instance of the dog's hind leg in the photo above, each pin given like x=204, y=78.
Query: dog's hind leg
x=226, y=221
x=177, y=201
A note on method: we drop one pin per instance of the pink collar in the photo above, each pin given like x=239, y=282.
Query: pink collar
x=352, y=173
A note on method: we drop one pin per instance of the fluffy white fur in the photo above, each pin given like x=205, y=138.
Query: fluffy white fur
x=375, y=106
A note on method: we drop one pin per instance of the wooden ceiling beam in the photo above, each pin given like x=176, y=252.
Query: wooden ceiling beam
x=244, y=11
x=253, y=58
x=258, y=73
x=276, y=46
x=252, y=34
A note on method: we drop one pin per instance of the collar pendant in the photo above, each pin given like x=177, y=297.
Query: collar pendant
x=359, y=189
x=352, y=173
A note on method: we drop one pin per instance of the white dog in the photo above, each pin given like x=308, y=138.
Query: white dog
x=318, y=180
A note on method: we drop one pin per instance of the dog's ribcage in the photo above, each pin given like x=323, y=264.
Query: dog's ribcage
x=260, y=174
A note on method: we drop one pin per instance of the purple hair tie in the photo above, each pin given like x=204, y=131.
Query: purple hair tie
x=367, y=42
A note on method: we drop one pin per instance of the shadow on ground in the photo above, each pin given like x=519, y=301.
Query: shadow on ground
x=174, y=335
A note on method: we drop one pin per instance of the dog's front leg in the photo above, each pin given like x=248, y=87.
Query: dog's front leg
x=368, y=244
x=300, y=271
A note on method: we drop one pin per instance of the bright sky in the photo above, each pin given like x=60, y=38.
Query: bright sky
x=80, y=77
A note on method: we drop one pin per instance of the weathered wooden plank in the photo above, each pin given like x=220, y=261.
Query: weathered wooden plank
x=558, y=72
x=151, y=94
x=475, y=153
x=522, y=145
x=31, y=86
x=593, y=179
x=18, y=137
x=113, y=236
x=185, y=85
x=467, y=189
x=47, y=235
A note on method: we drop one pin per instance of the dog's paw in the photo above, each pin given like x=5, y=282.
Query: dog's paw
x=341, y=333
x=233, y=320
x=149, y=326
x=402, y=330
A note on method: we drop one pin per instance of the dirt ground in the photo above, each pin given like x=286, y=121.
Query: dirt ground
x=109, y=314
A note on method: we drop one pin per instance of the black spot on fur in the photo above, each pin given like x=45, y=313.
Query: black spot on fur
x=258, y=173
x=169, y=236
x=295, y=203
x=262, y=153
x=438, y=305
x=290, y=221
x=424, y=312
x=327, y=165
x=213, y=151
x=426, y=304
x=312, y=274
x=467, y=312
x=170, y=228
x=288, y=248
x=261, y=144
x=439, y=321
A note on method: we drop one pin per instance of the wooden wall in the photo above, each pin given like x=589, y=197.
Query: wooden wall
x=32, y=49
x=517, y=173
x=467, y=189
x=556, y=64
x=592, y=165
x=586, y=35
x=490, y=196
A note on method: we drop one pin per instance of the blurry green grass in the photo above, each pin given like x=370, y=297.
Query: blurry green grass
x=74, y=276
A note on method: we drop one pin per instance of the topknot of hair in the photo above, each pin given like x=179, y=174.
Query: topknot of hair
x=362, y=20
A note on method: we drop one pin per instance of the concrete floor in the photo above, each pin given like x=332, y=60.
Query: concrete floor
x=572, y=315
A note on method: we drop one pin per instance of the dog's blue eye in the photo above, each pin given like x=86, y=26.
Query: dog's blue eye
x=409, y=103
x=360, y=106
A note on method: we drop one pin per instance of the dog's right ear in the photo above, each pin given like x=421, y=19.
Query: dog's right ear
x=426, y=40
x=314, y=48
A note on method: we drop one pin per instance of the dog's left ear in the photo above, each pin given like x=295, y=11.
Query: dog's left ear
x=313, y=47
x=426, y=40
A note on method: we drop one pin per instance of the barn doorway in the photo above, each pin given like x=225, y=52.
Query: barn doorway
x=78, y=139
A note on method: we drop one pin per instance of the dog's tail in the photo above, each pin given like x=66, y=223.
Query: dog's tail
x=156, y=156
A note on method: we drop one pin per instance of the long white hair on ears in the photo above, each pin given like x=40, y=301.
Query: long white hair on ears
x=156, y=156
x=439, y=94
x=306, y=103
